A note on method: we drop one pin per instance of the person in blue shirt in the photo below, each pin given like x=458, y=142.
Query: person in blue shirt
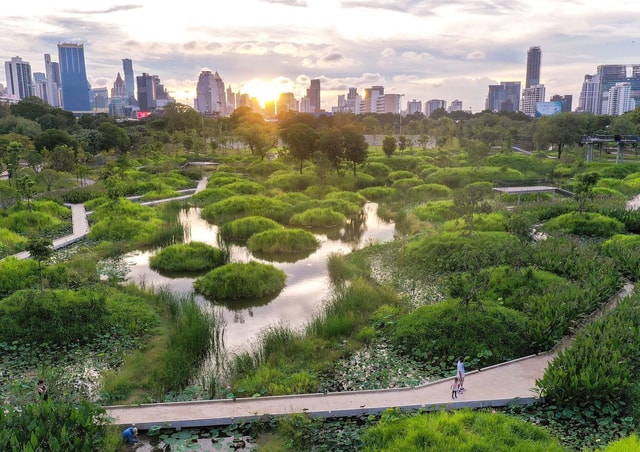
x=130, y=435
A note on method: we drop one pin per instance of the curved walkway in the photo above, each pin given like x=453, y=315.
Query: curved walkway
x=80, y=221
x=513, y=382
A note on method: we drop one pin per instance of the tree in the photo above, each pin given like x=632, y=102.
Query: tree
x=302, y=140
x=355, y=148
x=114, y=137
x=562, y=129
x=62, y=158
x=24, y=186
x=389, y=145
x=52, y=137
x=257, y=134
x=403, y=141
x=330, y=145
x=469, y=201
x=12, y=159
x=583, y=191
x=40, y=249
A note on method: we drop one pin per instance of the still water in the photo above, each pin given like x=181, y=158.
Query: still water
x=307, y=283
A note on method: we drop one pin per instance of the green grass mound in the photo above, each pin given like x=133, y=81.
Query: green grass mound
x=495, y=221
x=34, y=222
x=378, y=193
x=189, y=257
x=437, y=332
x=436, y=211
x=10, y=242
x=240, y=280
x=319, y=217
x=628, y=444
x=62, y=316
x=290, y=241
x=352, y=197
x=211, y=195
x=431, y=191
x=246, y=205
x=587, y=224
x=243, y=228
x=456, y=432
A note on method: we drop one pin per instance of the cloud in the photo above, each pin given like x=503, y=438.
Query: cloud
x=476, y=55
x=387, y=52
x=297, y=3
x=113, y=9
x=249, y=48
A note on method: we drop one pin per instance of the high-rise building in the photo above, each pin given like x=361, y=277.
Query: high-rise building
x=589, y=101
x=19, y=78
x=40, y=86
x=414, y=106
x=119, y=98
x=456, y=105
x=129, y=79
x=619, y=99
x=73, y=74
x=286, y=102
x=503, y=97
x=210, y=94
x=313, y=93
x=54, y=82
x=534, y=57
x=99, y=98
x=146, y=92
x=434, y=104
x=530, y=98
x=373, y=101
x=565, y=101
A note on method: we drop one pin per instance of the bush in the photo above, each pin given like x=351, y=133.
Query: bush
x=32, y=223
x=54, y=426
x=243, y=228
x=378, y=170
x=378, y=193
x=459, y=177
x=11, y=241
x=588, y=224
x=247, y=205
x=349, y=196
x=451, y=252
x=318, y=218
x=430, y=191
x=435, y=333
x=240, y=280
x=398, y=175
x=407, y=184
x=16, y=274
x=462, y=430
x=265, y=168
x=189, y=257
x=436, y=211
x=598, y=371
x=211, y=195
x=289, y=241
x=292, y=181
x=56, y=317
x=481, y=222
x=625, y=251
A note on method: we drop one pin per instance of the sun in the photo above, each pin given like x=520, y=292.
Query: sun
x=261, y=90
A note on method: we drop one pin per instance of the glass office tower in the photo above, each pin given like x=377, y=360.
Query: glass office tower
x=75, y=88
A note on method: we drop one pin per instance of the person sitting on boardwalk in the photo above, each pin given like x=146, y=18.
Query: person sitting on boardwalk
x=130, y=435
x=460, y=373
x=454, y=388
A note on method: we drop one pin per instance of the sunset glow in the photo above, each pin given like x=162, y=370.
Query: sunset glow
x=261, y=90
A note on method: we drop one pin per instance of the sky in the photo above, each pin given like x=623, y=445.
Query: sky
x=421, y=49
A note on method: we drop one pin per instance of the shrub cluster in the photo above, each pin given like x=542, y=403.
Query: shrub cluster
x=189, y=257
x=240, y=280
x=283, y=240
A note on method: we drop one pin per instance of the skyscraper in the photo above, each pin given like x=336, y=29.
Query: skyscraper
x=313, y=93
x=146, y=92
x=620, y=100
x=534, y=56
x=210, y=94
x=434, y=104
x=530, y=98
x=129, y=80
x=73, y=74
x=40, y=86
x=19, y=79
x=54, y=83
x=503, y=97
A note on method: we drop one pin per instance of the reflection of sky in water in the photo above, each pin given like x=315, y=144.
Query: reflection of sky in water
x=307, y=279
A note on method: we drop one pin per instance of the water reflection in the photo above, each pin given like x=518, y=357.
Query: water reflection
x=307, y=281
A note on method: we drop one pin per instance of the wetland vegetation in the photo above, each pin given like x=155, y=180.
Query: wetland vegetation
x=530, y=270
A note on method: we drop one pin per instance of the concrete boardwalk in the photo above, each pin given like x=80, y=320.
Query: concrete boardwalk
x=512, y=382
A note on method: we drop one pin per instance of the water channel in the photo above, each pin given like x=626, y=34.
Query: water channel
x=307, y=283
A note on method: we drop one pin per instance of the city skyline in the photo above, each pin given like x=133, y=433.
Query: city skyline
x=421, y=49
